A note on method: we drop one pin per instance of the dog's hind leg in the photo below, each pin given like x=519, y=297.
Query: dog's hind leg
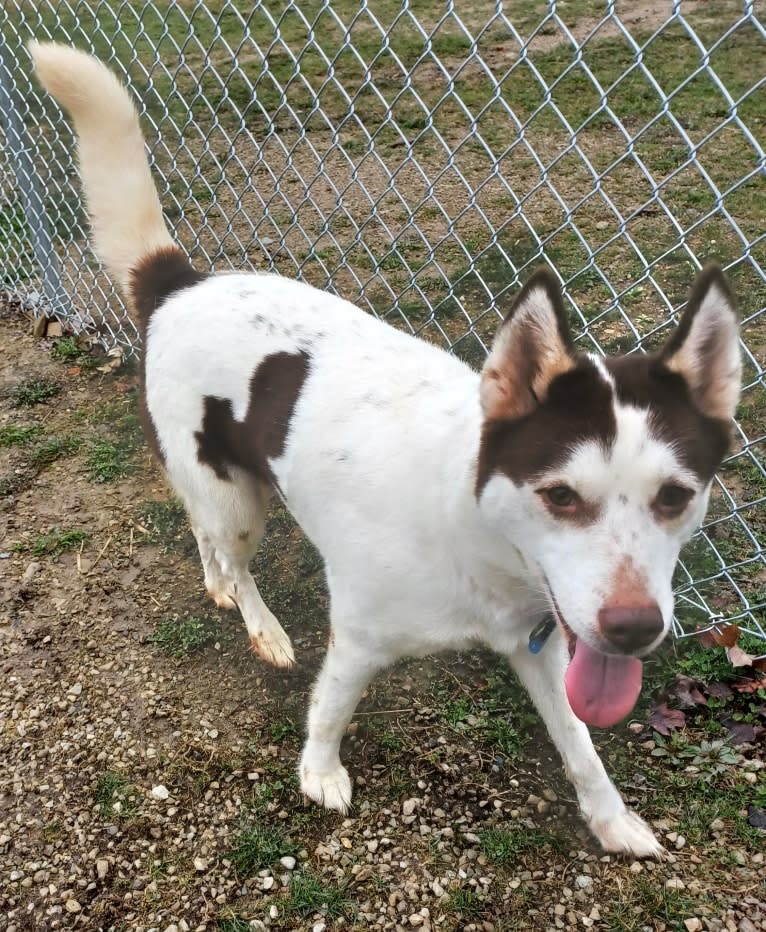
x=228, y=523
x=614, y=825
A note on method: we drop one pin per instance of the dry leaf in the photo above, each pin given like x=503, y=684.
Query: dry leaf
x=723, y=635
x=738, y=657
x=664, y=720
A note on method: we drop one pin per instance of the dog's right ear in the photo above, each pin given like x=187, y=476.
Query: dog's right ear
x=532, y=347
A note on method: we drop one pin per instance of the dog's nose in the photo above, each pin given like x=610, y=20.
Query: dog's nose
x=630, y=628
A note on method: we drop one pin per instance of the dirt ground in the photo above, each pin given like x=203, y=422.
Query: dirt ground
x=147, y=756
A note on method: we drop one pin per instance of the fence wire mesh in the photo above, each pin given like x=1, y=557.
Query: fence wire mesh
x=419, y=159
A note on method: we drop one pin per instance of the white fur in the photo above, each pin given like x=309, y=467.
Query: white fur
x=379, y=468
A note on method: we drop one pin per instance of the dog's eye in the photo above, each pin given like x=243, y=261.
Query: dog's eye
x=560, y=496
x=672, y=499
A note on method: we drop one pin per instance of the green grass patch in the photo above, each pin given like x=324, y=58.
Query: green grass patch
x=14, y=436
x=115, y=795
x=180, y=637
x=507, y=847
x=165, y=520
x=257, y=846
x=55, y=448
x=54, y=543
x=35, y=391
x=309, y=894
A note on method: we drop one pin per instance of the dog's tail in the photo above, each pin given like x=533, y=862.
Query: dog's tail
x=127, y=227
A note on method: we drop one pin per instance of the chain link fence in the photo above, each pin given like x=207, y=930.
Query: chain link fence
x=420, y=159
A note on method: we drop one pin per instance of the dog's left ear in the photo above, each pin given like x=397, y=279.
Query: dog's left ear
x=532, y=347
x=705, y=346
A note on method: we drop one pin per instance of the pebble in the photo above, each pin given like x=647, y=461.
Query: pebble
x=692, y=925
x=287, y=862
x=410, y=805
x=160, y=792
x=319, y=927
x=72, y=906
x=583, y=881
x=200, y=864
x=102, y=868
x=675, y=883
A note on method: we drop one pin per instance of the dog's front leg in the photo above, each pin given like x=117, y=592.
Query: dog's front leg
x=614, y=825
x=347, y=670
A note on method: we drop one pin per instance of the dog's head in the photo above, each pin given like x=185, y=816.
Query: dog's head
x=599, y=470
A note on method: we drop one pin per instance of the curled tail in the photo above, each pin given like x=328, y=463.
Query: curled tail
x=128, y=230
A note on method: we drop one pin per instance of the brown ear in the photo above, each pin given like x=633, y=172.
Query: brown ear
x=704, y=348
x=532, y=347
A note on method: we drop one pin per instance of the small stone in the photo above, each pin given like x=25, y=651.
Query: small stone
x=675, y=883
x=319, y=927
x=717, y=825
x=416, y=919
x=287, y=862
x=583, y=881
x=213, y=733
x=273, y=912
x=745, y=925
x=680, y=842
x=346, y=842
x=200, y=864
x=102, y=868
x=267, y=883
x=171, y=928
x=160, y=792
x=410, y=805
x=693, y=925
x=636, y=867
x=75, y=690
x=72, y=906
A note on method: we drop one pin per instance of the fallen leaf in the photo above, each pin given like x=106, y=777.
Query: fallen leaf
x=738, y=657
x=719, y=691
x=749, y=686
x=742, y=732
x=756, y=817
x=724, y=635
x=664, y=719
x=687, y=691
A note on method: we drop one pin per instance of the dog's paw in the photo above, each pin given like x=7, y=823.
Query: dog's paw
x=627, y=833
x=274, y=646
x=329, y=788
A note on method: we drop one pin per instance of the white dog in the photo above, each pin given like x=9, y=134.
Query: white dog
x=451, y=508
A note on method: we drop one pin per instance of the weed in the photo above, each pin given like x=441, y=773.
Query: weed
x=180, y=637
x=12, y=436
x=257, y=846
x=165, y=521
x=507, y=847
x=708, y=759
x=66, y=349
x=466, y=902
x=310, y=894
x=233, y=924
x=108, y=461
x=54, y=543
x=54, y=449
x=114, y=795
x=283, y=729
x=33, y=392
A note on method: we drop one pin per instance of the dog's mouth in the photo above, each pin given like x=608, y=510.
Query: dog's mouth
x=602, y=689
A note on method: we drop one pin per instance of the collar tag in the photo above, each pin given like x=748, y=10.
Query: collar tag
x=541, y=633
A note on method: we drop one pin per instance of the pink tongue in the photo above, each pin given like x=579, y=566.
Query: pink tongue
x=602, y=688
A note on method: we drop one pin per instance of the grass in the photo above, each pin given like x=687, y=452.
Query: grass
x=180, y=637
x=34, y=391
x=54, y=448
x=257, y=846
x=114, y=795
x=508, y=847
x=54, y=543
x=309, y=894
x=14, y=436
x=165, y=520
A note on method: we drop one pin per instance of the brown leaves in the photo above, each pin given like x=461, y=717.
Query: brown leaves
x=663, y=719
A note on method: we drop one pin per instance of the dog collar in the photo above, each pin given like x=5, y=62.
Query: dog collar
x=541, y=633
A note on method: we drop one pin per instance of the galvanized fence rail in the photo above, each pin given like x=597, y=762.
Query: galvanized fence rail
x=420, y=159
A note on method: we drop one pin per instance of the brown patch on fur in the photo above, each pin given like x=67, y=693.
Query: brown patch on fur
x=629, y=587
x=224, y=442
x=644, y=381
x=154, y=279
x=577, y=408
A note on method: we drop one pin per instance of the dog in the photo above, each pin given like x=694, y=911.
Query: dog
x=537, y=507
